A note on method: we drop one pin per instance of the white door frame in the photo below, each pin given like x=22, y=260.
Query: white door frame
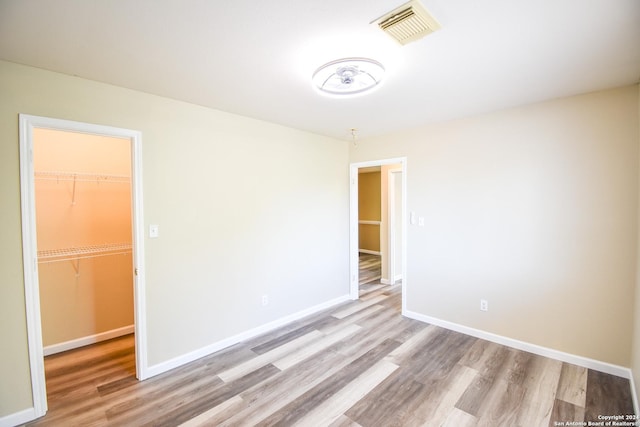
x=29, y=246
x=391, y=227
x=353, y=223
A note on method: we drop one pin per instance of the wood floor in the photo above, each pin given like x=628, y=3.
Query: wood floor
x=359, y=364
x=370, y=268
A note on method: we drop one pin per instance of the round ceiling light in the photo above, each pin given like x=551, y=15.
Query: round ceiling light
x=348, y=76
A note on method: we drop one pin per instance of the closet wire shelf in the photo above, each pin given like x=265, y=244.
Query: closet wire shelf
x=79, y=177
x=82, y=252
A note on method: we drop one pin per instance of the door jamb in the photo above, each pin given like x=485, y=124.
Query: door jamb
x=391, y=229
x=29, y=246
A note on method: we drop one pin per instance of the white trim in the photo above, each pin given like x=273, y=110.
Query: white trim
x=386, y=282
x=397, y=278
x=139, y=281
x=29, y=247
x=585, y=362
x=30, y=267
x=391, y=227
x=367, y=222
x=354, y=231
x=243, y=336
x=88, y=340
x=18, y=418
x=634, y=394
x=367, y=251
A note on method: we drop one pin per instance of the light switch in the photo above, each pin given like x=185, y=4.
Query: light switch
x=421, y=221
x=412, y=218
x=153, y=231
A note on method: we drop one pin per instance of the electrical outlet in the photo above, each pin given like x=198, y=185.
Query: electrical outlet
x=484, y=305
x=265, y=300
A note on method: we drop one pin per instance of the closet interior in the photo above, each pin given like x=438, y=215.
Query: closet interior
x=84, y=234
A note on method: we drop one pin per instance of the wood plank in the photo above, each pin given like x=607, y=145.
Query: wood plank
x=565, y=412
x=458, y=418
x=205, y=418
x=304, y=329
x=302, y=353
x=502, y=404
x=357, y=306
x=271, y=395
x=330, y=410
x=268, y=357
x=607, y=395
x=573, y=385
x=446, y=392
x=295, y=410
x=203, y=400
x=367, y=366
x=542, y=383
x=344, y=421
x=391, y=403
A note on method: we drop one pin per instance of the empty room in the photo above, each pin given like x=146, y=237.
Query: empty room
x=319, y=213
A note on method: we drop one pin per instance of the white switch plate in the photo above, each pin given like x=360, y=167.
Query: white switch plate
x=154, y=231
x=421, y=221
x=412, y=218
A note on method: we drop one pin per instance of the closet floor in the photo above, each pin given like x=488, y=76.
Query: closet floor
x=358, y=364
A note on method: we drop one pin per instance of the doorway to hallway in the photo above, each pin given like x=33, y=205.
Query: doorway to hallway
x=392, y=227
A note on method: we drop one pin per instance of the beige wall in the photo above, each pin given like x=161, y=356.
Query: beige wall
x=369, y=209
x=234, y=199
x=369, y=196
x=83, y=297
x=535, y=210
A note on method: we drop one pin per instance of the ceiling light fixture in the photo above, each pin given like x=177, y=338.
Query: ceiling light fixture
x=348, y=76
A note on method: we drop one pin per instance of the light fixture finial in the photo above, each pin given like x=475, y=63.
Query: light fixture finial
x=353, y=136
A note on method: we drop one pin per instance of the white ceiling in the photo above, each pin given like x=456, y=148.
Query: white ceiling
x=255, y=58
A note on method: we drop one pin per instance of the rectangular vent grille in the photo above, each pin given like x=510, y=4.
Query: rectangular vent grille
x=408, y=23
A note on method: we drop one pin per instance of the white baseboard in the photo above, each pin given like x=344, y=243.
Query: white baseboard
x=91, y=339
x=367, y=251
x=18, y=418
x=217, y=346
x=634, y=394
x=397, y=279
x=585, y=362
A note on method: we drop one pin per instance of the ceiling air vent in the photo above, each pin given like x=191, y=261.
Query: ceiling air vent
x=408, y=23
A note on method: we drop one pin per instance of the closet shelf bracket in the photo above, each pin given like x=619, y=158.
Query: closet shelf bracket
x=76, y=177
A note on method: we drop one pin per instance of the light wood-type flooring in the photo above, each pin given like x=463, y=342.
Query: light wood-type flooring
x=358, y=364
x=370, y=268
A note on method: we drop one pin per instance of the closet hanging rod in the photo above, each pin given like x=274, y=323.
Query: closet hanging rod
x=79, y=176
x=82, y=252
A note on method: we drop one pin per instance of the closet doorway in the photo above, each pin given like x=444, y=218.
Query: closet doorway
x=82, y=237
